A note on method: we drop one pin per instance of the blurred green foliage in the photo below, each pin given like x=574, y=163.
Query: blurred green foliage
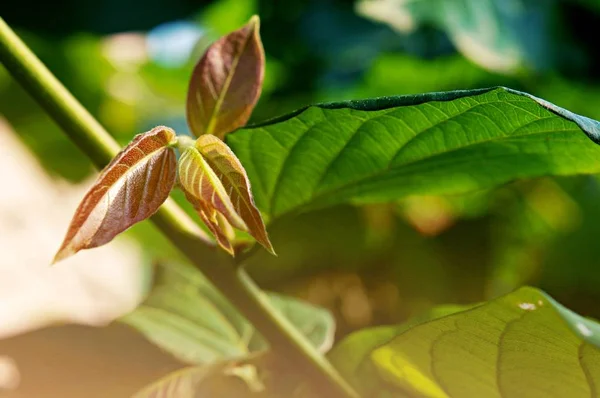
x=401, y=258
x=438, y=355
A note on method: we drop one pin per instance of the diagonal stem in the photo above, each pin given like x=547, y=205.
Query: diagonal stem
x=171, y=220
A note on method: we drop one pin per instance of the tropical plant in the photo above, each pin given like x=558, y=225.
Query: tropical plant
x=241, y=341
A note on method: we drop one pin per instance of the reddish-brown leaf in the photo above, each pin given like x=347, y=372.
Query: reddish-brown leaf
x=209, y=217
x=199, y=180
x=226, y=83
x=130, y=189
x=231, y=173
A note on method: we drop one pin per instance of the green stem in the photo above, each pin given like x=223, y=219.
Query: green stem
x=184, y=142
x=173, y=222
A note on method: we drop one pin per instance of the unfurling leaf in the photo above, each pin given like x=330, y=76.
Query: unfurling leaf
x=210, y=217
x=227, y=82
x=130, y=189
x=233, y=176
x=205, y=191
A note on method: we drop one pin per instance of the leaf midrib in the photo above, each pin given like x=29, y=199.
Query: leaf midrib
x=224, y=322
x=129, y=169
x=586, y=372
x=211, y=333
x=240, y=193
x=212, y=121
x=315, y=197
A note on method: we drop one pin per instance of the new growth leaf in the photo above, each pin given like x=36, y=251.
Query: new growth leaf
x=215, y=182
x=226, y=83
x=130, y=189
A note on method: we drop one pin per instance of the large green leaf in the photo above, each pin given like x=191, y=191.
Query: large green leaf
x=438, y=143
x=523, y=344
x=259, y=375
x=187, y=317
x=351, y=354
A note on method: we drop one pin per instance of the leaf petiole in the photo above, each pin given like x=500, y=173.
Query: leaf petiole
x=183, y=142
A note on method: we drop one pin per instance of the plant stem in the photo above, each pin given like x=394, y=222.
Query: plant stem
x=184, y=142
x=173, y=222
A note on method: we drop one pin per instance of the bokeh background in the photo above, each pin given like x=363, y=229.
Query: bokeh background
x=129, y=62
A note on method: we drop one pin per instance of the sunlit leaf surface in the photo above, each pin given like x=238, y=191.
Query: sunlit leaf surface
x=130, y=189
x=523, y=344
x=383, y=149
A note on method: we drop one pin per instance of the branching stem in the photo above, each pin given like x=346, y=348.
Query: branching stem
x=171, y=220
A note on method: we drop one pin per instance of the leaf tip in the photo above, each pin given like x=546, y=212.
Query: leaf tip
x=226, y=82
x=62, y=253
x=254, y=22
x=263, y=240
x=228, y=249
x=269, y=247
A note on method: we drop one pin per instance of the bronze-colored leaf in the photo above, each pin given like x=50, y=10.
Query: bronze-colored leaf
x=231, y=173
x=208, y=195
x=210, y=217
x=226, y=83
x=130, y=189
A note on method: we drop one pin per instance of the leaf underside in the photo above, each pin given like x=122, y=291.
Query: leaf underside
x=232, y=175
x=130, y=189
x=206, y=192
x=188, y=318
x=200, y=181
x=523, y=344
x=386, y=148
x=210, y=218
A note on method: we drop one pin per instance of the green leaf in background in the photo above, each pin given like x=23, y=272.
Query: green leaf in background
x=532, y=218
x=499, y=35
x=593, y=5
x=187, y=317
x=398, y=73
x=182, y=383
x=227, y=15
x=259, y=375
x=220, y=379
x=386, y=148
x=523, y=344
x=350, y=355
